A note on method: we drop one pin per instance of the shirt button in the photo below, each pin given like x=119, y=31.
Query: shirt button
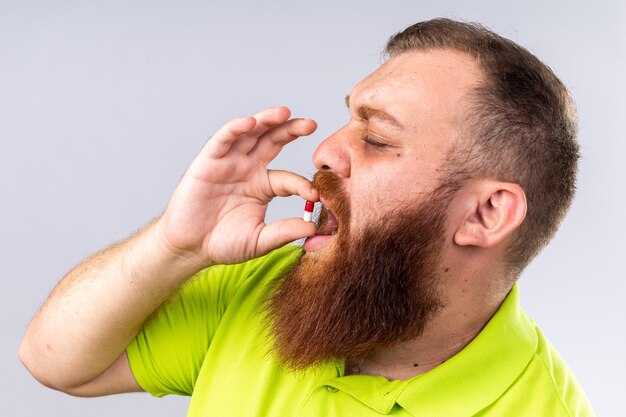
x=331, y=389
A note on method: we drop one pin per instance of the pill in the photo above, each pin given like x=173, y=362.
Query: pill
x=308, y=211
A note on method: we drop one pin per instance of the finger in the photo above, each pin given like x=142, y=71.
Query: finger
x=279, y=233
x=246, y=140
x=220, y=143
x=285, y=183
x=244, y=143
x=269, y=118
x=272, y=142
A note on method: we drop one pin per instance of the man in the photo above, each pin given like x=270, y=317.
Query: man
x=456, y=167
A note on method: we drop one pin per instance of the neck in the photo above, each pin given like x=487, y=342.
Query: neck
x=446, y=335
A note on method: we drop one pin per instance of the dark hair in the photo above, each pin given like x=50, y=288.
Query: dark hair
x=521, y=127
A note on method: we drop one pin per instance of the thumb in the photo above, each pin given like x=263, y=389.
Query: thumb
x=281, y=232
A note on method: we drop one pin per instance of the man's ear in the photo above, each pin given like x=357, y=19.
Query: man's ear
x=496, y=209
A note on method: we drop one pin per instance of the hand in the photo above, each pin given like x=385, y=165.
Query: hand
x=217, y=211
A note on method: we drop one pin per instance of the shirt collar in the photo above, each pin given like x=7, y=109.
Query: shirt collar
x=465, y=383
x=374, y=391
x=481, y=372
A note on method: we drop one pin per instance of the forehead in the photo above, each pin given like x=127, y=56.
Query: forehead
x=420, y=86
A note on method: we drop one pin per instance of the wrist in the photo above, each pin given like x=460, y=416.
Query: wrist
x=179, y=264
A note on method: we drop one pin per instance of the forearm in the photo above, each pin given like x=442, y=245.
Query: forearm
x=99, y=306
x=216, y=215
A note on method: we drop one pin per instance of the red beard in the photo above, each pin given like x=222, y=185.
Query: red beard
x=367, y=292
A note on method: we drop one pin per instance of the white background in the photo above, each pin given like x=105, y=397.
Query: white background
x=103, y=105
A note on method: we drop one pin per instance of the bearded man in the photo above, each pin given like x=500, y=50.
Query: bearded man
x=456, y=167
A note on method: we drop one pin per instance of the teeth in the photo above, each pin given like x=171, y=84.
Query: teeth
x=334, y=232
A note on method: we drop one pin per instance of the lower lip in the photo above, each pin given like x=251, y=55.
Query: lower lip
x=317, y=242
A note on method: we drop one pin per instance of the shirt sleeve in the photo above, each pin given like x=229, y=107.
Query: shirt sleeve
x=166, y=355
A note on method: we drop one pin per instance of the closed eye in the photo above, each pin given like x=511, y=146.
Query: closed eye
x=374, y=142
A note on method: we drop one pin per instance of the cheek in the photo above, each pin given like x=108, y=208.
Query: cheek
x=376, y=190
x=372, y=203
x=387, y=191
x=366, y=207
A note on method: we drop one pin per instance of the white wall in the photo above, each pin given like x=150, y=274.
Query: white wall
x=103, y=105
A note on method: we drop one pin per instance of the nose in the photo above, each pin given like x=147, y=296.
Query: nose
x=333, y=155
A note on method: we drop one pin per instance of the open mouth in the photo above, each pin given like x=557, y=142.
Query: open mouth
x=328, y=227
x=328, y=223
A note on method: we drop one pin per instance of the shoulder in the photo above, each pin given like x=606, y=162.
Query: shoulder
x=551, y=370
x=546, y=387
x=539, y=383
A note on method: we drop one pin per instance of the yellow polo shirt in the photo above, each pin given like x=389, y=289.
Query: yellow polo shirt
x=209, y=342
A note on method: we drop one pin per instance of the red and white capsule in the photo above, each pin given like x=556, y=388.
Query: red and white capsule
x=308, y=211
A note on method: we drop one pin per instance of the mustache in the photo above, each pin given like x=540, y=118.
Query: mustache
x=335, y=198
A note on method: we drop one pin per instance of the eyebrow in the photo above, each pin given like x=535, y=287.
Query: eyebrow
x=366, y=112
